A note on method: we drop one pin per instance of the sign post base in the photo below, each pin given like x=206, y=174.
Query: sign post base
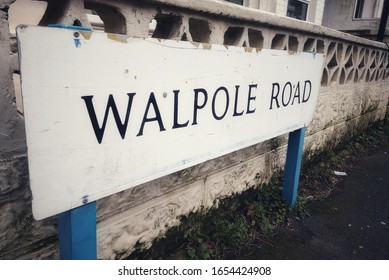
x=77, y=233
x=292, y=165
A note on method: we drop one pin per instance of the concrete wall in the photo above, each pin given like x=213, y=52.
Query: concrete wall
x=354, y=93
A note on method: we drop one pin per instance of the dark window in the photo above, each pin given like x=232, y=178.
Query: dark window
x=359, y=8
x=368, y=9
x=239, y=2
x=297, y=9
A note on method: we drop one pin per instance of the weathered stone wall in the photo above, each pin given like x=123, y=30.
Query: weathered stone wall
x=354, y=93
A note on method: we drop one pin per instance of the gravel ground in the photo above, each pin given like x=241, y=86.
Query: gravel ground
x=353, y=223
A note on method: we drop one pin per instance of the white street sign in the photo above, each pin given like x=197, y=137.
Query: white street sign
x=105, y=112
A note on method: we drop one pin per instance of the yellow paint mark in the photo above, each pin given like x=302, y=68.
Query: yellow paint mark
x=117, y=37
x=85, y=34
x=248, y=49
x=207, y=46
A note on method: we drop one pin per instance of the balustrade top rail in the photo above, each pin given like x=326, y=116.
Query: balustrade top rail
x=349, y=59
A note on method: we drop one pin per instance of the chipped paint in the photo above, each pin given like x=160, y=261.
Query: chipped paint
x=85, y=34
x=196, y=44
x=118, y=37
x=206, y=46
x=77, y=42
x=314, y=54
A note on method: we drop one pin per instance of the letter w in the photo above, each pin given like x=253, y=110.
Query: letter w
x=99, y=131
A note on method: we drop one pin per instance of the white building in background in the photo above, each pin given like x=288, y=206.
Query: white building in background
x=308, y=10
x=357, y=17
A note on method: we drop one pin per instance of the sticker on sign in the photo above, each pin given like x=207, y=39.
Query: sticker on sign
x=107, y=112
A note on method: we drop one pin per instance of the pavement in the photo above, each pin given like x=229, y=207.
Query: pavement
x=352, y=224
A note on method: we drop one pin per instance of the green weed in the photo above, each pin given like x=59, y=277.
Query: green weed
x=231, y=229
x=228, y=230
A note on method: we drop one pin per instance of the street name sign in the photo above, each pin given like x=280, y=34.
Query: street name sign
x=107, y=112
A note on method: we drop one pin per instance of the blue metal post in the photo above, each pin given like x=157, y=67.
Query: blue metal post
x=292, y=165
x=77, y=227
x=77, y=233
